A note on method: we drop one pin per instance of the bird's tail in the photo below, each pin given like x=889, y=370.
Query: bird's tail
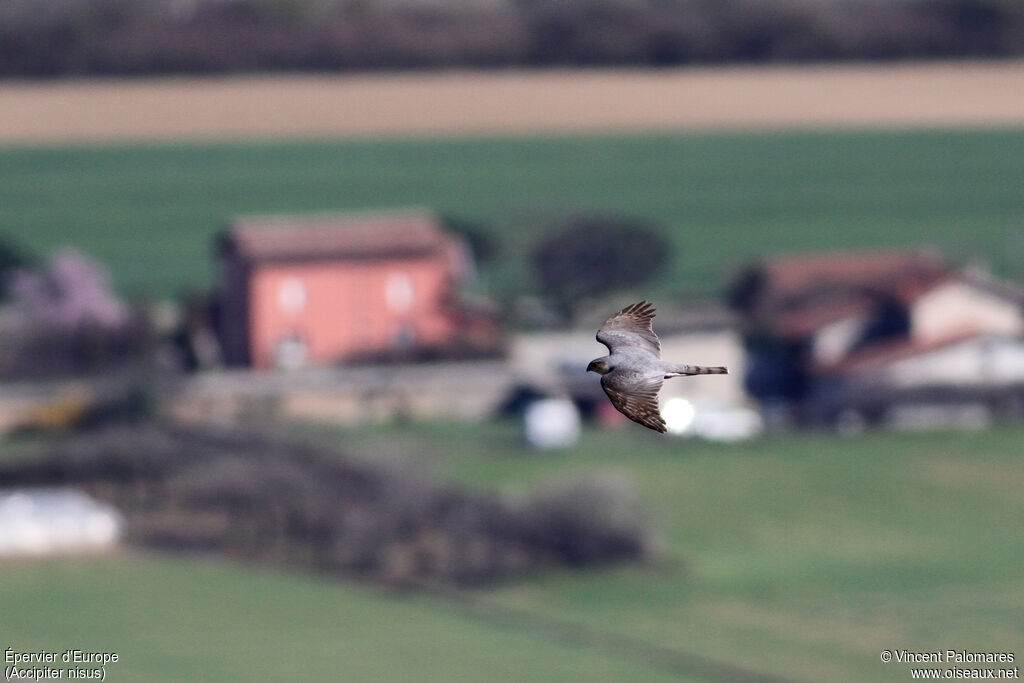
x=683, y=369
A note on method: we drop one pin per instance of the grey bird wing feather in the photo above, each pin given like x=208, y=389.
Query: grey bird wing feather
x=630, y=328
x=637, y=401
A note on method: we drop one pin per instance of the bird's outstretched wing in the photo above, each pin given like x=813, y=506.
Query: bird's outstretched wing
x=638, y=402
x=630, y=327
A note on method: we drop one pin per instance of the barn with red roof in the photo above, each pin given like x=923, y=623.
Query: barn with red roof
x=319, y=289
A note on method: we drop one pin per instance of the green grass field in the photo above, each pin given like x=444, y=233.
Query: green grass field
x=150, y=212
x=801, y=556
x=172, y=620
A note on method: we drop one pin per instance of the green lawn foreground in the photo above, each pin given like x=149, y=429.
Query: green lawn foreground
x=178, y=620
x=801, y=556
x=151, y=211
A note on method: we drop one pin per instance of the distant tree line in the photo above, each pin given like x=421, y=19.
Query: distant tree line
x=70, y=37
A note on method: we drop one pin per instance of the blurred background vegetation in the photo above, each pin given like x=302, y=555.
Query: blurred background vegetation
x=78, y=37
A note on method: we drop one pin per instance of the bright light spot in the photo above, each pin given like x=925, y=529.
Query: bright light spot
x=678, y=414
x=551, y=423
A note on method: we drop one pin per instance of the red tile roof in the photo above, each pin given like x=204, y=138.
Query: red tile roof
x=334, y=235
x=793, y=275
x=798, y=294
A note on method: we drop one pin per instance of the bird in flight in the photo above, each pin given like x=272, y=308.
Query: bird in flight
x=633, y=371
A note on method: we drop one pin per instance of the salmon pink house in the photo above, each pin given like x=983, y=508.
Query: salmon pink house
x=318, y=289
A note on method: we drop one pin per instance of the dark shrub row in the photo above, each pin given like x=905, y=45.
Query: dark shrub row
x=61, y=37
x=298, y=503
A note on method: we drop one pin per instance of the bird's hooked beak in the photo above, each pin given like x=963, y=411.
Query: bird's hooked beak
x=598, y=367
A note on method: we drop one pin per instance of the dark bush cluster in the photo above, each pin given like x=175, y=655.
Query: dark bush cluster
x=63, y=318
x=28, y=355
x=590, y=256
x=260, y=497
x=60, y=37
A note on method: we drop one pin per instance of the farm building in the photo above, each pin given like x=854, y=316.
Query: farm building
x=319, y=289
x=969, y=380
x=831, y=332
x=824, y=300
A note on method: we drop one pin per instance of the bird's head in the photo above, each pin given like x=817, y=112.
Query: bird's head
x=600, y=366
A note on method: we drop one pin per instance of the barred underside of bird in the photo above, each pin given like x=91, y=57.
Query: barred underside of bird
x=633, y=371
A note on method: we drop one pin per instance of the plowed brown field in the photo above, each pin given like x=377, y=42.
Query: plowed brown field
x=971, y=93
